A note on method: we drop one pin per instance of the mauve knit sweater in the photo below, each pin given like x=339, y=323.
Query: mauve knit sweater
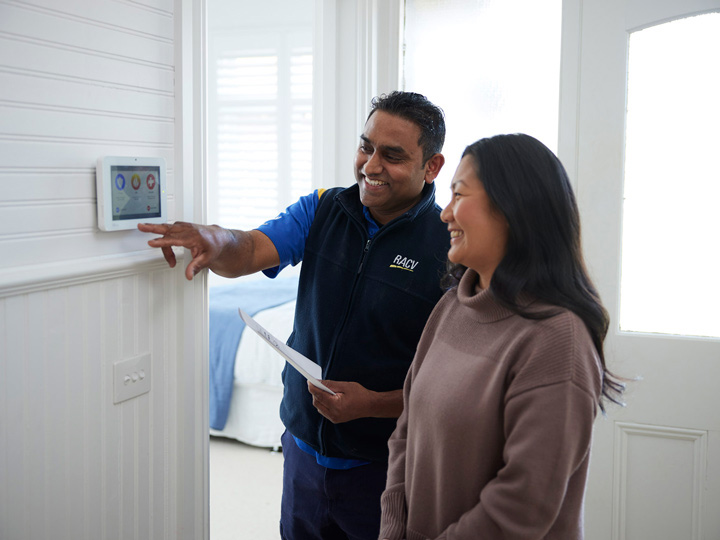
x=494, y=441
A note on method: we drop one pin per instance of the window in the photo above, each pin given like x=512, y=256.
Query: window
x=260, y=73
x=493, y=66
x=263, y=126
x=671, y=226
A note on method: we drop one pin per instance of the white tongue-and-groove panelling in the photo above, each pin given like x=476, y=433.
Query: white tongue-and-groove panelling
x=81, y=79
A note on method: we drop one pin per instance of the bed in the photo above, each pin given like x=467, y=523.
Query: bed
x=245, y=373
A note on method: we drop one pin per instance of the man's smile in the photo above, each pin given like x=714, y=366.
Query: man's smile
x=375, y=183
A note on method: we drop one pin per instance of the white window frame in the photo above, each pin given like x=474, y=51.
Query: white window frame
x=357, y=51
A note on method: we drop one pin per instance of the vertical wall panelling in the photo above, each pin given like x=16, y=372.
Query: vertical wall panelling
x=78, y=80
x=4, y=416
x=74, y=464
x=74, y=311
x=94, y=390
x=111, y=430
x=143, y=411
x=34, y=434
x=13, y=490
x=162, y=322
x=54, y=399
x=127, y=462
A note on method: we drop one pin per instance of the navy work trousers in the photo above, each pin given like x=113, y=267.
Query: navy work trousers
x=328, y=504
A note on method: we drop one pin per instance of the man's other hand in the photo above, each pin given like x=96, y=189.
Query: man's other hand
x=351, y=401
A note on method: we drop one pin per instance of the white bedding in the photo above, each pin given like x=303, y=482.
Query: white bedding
x=257, y=389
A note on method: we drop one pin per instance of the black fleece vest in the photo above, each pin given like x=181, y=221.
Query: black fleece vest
x=362, y=305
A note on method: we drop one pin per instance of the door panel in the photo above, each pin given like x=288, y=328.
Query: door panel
x=655, y=470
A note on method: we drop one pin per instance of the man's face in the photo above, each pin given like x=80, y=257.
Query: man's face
x=389, y=166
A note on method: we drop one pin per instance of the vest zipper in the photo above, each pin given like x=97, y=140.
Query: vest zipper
x=323, y=420
x=362, y=259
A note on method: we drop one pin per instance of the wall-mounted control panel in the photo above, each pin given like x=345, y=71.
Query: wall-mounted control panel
x=130, y=190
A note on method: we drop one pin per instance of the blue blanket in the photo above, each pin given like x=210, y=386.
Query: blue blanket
x=226, y=327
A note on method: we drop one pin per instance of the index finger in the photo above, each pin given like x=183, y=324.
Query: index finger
x=155, y=228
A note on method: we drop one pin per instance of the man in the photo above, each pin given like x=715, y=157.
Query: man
x=372, y=256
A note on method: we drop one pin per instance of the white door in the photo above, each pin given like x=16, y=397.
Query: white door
x=647, y=185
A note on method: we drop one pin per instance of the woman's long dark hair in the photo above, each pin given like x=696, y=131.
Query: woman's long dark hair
x=527, y=183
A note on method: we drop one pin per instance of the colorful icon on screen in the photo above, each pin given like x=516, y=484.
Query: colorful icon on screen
x=120, y=182
x=150, y=180
x=135, y=181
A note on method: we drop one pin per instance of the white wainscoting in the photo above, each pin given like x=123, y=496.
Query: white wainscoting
x=74, y=464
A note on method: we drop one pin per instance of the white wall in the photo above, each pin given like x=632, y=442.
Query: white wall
x=81, y=79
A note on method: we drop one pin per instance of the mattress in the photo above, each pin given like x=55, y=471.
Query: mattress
x=254, y=416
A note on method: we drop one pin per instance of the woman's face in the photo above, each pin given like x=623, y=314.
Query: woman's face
x=478, y=232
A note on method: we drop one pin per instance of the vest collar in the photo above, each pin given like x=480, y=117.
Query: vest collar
x=349, y=198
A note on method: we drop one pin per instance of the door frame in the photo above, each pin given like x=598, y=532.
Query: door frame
x=192, y=510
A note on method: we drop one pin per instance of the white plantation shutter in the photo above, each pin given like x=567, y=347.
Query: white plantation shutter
x=261, y=127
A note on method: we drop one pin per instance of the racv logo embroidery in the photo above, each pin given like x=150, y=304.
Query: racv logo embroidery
x=403, y=263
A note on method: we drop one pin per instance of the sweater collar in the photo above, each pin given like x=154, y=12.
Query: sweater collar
x=485, y=307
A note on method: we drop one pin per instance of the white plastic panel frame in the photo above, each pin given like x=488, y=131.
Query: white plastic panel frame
x=130, y=190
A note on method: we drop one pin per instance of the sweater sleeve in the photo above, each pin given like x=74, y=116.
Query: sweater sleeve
x=393, y=503
x=550, y=408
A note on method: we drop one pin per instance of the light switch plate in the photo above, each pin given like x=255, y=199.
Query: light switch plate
x=131, y=377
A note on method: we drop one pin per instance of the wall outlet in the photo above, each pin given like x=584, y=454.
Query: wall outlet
x=131, y=377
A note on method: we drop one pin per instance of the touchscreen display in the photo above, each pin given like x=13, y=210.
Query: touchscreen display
x=135, y=192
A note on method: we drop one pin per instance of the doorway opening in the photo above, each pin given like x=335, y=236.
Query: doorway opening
x=259, y=116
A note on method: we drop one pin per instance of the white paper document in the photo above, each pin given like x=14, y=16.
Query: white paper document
x=307, y=368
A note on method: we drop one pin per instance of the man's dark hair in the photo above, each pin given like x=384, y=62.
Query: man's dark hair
x=420, y=111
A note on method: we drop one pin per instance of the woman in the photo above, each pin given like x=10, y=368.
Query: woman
x=500, y=400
